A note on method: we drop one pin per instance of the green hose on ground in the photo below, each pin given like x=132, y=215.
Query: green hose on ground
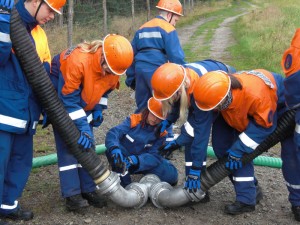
x=100, y=149
x=258, y=161
x=52, y=158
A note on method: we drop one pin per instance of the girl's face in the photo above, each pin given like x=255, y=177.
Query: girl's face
x=152, y=119
x=104, y=66
x=45, y=13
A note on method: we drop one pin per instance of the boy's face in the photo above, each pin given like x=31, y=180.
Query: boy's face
x=174, y=18
x=45, y=14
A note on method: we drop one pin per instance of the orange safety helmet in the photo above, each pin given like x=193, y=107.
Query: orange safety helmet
x=118, y=53
x=167, y=80
x=155, y=107
x=56, y=5
x=173, y=6
x=211, y=89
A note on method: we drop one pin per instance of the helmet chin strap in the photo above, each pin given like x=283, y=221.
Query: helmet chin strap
x=38, y=9
x=171, y=18
x=227, y=101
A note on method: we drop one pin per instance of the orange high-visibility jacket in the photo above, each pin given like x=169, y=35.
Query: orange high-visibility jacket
x=256, y=100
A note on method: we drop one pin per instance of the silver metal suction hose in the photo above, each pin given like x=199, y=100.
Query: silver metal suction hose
x=135, y=195
x=163, y=195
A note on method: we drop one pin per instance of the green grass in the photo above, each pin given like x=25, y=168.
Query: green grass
x=43, y=141
x=264, y=34
x=205, y=32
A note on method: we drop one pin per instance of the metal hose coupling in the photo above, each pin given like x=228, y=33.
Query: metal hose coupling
x=149, y=180
x=163, y=195
x=135, y=195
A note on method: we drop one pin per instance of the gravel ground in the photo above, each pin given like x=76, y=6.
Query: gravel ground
x=42, y=194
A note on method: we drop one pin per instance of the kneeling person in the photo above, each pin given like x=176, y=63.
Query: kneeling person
x=132, y=146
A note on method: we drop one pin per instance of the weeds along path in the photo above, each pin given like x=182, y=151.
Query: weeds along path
x=210, y=37
x=222, y=39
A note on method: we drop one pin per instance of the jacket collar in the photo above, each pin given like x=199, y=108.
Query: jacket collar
x=29, y=21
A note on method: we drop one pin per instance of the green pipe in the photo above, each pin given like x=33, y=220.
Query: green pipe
x=259, y=161
x=100, y=149
x=52, y=158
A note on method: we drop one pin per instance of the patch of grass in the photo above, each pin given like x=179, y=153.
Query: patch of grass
x=203, y=10
x=205, y=32
x=43, y=141
x=264, y=34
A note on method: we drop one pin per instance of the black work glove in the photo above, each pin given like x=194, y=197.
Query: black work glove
x=166, y=149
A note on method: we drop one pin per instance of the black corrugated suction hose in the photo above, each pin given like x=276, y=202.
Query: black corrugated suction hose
x=38, y=79
x=217, y=171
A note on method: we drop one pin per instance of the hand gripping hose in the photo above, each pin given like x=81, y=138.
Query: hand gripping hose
x=41, y=85
x=163, y=195
x=108, y=183
x=217, y=171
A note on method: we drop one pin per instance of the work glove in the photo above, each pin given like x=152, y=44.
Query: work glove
x=5, y=10
x=97, y=118
x=85, y=141
x=192, y=181
x=166, y=149
x=118, y=158
x=234, y=160
x=164, y=125
x=132, y=161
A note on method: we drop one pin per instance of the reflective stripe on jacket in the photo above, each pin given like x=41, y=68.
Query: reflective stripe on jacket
x=253, y=111
x=131, y=137
x=82, y=85
x=19, y=108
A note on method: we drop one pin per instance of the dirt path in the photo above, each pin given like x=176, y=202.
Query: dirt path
x=42, y=193
x=222, y=39
x=186, y=33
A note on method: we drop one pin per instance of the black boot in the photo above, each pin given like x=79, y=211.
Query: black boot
x=18, y=215
x=296, y=211
x=76, y=202
x=259, y=194
x=94, y=199
x=238, y=208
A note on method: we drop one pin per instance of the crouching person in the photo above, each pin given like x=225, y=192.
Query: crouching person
x=132, y=146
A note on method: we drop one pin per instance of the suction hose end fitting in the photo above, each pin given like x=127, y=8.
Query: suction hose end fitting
x=155, y=191
x=141, y=191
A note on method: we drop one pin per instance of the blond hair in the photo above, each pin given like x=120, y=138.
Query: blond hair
x=184, y=103
x=90, y=47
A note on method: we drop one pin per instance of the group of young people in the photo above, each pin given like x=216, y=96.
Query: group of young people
x=238, y=110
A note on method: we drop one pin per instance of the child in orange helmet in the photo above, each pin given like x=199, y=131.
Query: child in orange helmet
x=155, y=43
x=84, y=76
x=19, y=108
x=247, y=105
x=174, y=85
x=132, y=146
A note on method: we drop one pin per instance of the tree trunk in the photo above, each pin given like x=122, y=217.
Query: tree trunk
x=148, y=10
x=104, y=17
x=132, y=14
x=70, y=22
